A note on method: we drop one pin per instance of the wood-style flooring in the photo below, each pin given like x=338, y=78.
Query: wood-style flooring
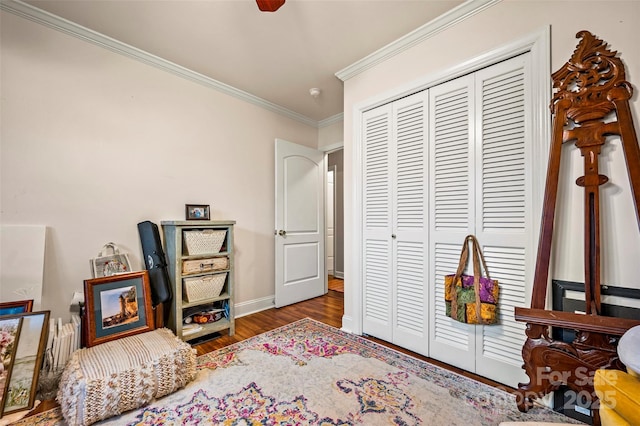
x=336, y=284
x=327, y=309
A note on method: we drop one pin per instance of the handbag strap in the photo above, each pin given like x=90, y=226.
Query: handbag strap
x=462, y=263
x=478, y=261
x=477, y=254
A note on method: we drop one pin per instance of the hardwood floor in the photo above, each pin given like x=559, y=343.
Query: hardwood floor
x=327, y=309
x=336, y=284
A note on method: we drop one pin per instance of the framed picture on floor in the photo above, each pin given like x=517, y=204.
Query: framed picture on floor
x=117, y=306
x=9, y=329
x=17, y=307
x=29, y=331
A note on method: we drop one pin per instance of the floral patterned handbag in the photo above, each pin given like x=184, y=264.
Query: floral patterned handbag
x=471, y=299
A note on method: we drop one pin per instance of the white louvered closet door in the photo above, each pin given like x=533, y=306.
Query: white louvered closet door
x=482, y=118
x=504, y=210
x=452, y=211
x=377, y=285
x=410, y=223
x=396, y=223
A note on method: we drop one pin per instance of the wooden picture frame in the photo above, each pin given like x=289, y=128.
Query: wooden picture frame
x=9, y=330
x=21, y=381
x=197, y=211
x=117, y=306
x=16, y=307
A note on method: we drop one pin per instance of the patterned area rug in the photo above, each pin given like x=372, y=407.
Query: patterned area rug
x=308, y=373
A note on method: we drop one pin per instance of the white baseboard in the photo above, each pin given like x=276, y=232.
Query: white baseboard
x=253, y=306
x=257, y=305
x=338, y=274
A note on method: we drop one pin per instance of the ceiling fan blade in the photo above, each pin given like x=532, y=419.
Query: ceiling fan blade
x=269, y=5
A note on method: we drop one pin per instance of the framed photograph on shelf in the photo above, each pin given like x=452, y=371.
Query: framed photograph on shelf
x=21, y=358
x=17, y=307
x=117, y=306
x=197, y=211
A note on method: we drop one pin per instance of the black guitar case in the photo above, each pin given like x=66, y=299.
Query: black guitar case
x=155, y=262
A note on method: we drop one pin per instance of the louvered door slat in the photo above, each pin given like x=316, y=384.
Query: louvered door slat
x=451, y=212
x=410, y=219
x=503, y=151
x=504, y=341
x=450, y=148
x=377, y=280
x=410, y=129
x=377, y=319
x=410, y=273
x=504, y=221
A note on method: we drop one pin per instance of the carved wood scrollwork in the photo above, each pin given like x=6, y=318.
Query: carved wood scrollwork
x=590, y=103
x=551, y=364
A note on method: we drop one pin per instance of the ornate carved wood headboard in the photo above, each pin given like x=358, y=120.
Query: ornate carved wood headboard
x=590, y=103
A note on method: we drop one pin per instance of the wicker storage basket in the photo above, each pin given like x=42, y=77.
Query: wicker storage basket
x=201, y=288
x=199, y=266
x=204, y=241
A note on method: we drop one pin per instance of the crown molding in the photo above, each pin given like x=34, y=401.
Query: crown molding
x=331, y=120
x=50, y=20
x=442, y=22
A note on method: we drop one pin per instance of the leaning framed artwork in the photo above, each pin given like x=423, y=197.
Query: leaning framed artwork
x=29, y=332
x=117, y=306
x=9, y=329
x=17, y=307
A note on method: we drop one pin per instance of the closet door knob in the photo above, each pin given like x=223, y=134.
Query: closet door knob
x=282, y=232
x=393, y=236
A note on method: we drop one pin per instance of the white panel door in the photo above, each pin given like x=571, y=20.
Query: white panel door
x=300, y=228
x=452, y=200
x=377, y=250
x=410, y=222
x=504, y=211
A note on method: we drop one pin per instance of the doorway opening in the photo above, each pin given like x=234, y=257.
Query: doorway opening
x=335, y=220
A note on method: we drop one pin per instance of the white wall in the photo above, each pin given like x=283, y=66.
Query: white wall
x=94, y=142
x=497, y=26
x=330, y=135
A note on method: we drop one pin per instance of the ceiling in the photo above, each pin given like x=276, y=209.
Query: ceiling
x=275, y=56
